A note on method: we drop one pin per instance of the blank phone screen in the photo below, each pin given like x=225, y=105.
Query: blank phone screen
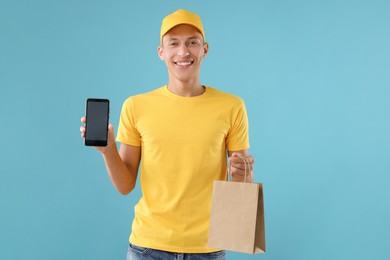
x=97, y=122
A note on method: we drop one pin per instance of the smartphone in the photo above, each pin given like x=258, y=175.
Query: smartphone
x=97, y=114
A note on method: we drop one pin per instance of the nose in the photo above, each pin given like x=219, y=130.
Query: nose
x=183, y=50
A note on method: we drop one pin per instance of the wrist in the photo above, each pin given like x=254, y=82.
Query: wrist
x=105, y=151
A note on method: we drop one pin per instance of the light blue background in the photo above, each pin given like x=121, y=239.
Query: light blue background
x=315, y=76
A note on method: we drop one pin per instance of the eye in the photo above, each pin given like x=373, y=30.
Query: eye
x=193, y=43
x=173, y=44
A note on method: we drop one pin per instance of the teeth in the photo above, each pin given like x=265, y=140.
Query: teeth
x=183, y=63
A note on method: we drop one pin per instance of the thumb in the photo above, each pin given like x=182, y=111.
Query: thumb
x=111, y=130
x=234, y=154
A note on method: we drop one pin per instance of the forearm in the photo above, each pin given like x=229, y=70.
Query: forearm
x=121, y=176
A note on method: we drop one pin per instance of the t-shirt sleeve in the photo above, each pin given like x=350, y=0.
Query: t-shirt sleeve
x=127, y=131
x=238, y=136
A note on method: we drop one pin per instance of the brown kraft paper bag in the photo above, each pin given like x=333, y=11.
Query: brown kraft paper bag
x=237, y=217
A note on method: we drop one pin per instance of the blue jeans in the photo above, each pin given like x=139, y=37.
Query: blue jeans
x=142, y=253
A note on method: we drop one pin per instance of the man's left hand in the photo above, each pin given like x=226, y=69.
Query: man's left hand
x=239, y=163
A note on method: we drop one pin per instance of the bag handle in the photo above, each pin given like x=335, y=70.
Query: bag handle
x=246, y=164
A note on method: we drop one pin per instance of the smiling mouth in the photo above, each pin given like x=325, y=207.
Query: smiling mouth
x=183, y=63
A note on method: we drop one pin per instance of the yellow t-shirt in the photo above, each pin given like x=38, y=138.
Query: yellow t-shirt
x=183, y=150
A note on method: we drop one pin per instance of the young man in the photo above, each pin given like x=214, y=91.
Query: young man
x=183, y=132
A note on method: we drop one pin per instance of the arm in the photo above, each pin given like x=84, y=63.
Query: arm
x=237, y=167
x=122, y=167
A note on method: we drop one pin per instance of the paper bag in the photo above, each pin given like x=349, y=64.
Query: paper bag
x=237, y=217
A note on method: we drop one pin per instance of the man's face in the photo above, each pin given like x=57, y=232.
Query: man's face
x=183, y=49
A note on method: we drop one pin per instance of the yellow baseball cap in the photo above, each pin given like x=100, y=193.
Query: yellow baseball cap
x=180, y=17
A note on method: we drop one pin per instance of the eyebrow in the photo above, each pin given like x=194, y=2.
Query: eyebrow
x=190, y=38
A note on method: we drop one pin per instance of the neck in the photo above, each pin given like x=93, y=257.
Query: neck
x=189, y=88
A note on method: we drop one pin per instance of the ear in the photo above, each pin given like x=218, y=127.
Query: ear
x=205, y=49
x=160, y=51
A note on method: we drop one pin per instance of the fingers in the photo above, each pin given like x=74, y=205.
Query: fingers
x=240, y=171
x=110, y=128
x=241, y=175
x=238, y=156
x=82, y=130
x=111, y=135
x=241, y=167
x=238, y=163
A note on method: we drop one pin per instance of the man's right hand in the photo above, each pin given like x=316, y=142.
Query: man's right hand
x=111, y=137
